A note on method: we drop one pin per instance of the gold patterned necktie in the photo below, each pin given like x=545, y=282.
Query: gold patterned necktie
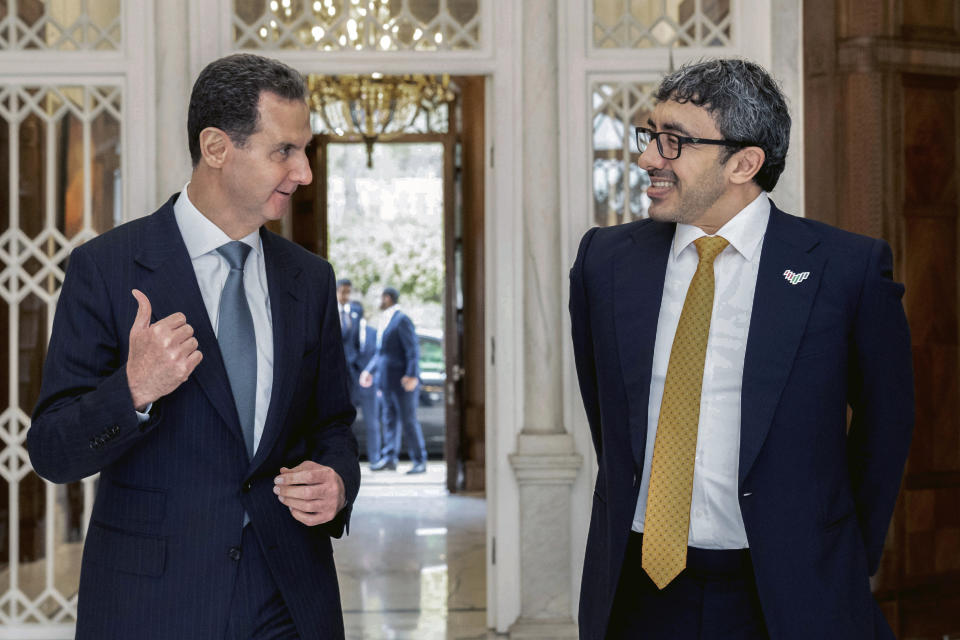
x=667, y=522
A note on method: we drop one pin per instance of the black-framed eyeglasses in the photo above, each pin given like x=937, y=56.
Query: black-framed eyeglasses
x=670, y=144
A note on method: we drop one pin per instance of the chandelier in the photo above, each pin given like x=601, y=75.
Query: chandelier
x=376, y=107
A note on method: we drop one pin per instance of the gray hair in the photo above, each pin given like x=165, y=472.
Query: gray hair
x=744, y=101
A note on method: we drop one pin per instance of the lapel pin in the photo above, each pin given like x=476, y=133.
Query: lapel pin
x=795, y=278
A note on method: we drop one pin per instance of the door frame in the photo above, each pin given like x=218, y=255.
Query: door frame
x=452, y=345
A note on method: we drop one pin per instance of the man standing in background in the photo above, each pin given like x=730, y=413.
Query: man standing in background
x=396, y=366
x=368, y=399
x=350, y=314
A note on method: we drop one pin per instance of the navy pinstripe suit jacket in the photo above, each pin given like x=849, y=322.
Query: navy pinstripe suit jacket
x=172, y=491
x=816, y=497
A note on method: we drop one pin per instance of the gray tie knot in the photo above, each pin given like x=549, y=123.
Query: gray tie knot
x=235, y=253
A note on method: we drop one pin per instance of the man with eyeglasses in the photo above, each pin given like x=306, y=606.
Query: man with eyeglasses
x=718, y=346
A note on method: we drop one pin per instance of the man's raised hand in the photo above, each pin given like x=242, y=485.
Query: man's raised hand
x=162, y=355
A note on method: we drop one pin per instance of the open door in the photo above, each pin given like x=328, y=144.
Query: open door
x=462, y=227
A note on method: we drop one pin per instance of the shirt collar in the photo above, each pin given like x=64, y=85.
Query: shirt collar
x=388, y=313
x=200, y=235
x=744, y=231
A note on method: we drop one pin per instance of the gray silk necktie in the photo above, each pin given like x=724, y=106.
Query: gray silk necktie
x=238, y=342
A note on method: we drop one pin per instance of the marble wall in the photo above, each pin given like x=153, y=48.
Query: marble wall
x=542, y=297
x=786, y=65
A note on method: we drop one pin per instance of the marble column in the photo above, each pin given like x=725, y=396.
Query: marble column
x=545, y=470
x=173, y=85
x=545, y=462
x=786, y=56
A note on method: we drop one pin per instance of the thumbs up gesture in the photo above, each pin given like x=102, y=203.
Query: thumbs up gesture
x=162, y=355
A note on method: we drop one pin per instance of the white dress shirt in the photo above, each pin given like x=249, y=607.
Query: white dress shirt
x=345, y=310
x=385, y=319
x=363, y=333
x=715, y=519
x=202, y=238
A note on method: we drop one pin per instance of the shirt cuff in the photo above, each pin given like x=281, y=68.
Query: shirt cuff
x=145, y=414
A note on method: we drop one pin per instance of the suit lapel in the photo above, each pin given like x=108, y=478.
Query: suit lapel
x=392, y=325
x=638, y=289
x=289, y=326
x=777, y=323
x=172, y=286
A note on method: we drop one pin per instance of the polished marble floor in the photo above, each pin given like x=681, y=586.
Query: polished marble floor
x=412, y=567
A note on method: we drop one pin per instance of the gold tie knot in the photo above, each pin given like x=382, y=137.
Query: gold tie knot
x=709, y=247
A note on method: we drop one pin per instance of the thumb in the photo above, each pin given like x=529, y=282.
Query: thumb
x=142, y=321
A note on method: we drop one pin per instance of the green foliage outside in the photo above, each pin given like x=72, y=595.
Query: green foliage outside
x=386, y=226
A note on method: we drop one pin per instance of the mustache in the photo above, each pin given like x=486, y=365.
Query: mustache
x=661, y=173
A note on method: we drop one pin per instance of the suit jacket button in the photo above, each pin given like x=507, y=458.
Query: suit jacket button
x=234, y=553
x=247, y=486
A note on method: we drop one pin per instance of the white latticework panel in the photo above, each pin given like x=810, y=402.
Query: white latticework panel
x=60, y=175
x=619, y=185
x=60, y=25
x=362, y=25
x=639, y=24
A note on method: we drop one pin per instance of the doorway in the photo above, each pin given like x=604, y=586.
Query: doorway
x=414, y=220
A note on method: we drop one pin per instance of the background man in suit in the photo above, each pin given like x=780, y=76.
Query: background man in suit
x=350, y=314
x=368, y=398
x=397, y=369
x=718, y=345
x=213, y=401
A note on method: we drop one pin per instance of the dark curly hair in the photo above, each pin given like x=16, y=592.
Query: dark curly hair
x=746, y=104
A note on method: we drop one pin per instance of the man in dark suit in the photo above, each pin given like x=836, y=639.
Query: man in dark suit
x=368, y=398
x=350, y=313
x=396, y=366
x=718, y=345
x=213, y=401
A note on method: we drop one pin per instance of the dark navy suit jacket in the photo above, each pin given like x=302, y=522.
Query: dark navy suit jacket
x=159, y=557
x=351, y=340
x=366, y=397
x=816, y=499
x=398, y=355
x=366, y=354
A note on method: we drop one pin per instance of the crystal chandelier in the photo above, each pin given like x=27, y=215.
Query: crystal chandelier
x=376, y=107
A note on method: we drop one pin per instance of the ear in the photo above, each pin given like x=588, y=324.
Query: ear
x=214, y=144
x=745, y=164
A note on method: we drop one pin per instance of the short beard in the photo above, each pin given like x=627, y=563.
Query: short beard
x=695, y=202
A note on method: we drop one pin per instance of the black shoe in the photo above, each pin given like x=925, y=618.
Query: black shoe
x=420, y=467
x=382, y=464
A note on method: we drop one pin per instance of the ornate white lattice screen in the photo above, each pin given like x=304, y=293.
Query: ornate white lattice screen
x=640, y=31
x=619, y=185
x=60, y=25
x=60, y=148
x=633, y=24
x=345, y=25
x=66, y=74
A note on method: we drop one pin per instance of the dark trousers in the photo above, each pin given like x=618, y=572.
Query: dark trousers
x=400, y=409
x=369, y=405
x=257, y=610
x=714, y=598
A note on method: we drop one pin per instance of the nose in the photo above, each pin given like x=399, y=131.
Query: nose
x=301, y=173
x=651, y=158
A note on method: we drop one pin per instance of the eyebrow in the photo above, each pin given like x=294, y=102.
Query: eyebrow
x=281, y=146
x=676, y=126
